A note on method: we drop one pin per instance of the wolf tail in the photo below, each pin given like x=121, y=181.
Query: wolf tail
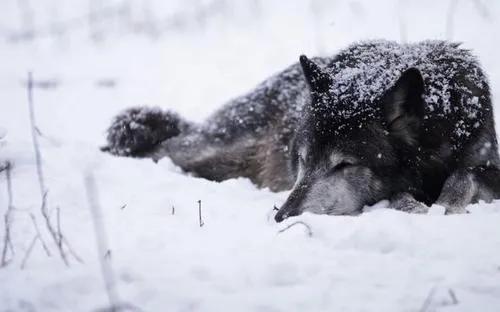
x=137, y=131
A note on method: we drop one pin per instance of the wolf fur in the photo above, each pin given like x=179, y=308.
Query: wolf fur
x=412, y=123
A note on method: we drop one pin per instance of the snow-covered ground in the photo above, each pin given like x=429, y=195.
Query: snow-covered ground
x=382, y=260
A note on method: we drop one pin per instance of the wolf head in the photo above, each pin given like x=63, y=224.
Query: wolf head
x=343, y=163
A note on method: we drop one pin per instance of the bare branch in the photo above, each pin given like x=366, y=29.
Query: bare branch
x=199, y=213
x=454, y=300
x=121, y=307
x=52, y=231
x=101, y=241
x=483, y=10
x=71, y=250
x=47, y=251
x=34, y=136
x=7, y=244
x=28, y=252
x=428, y=300
x=308, y=228
x=56, y=235
x=59, y=233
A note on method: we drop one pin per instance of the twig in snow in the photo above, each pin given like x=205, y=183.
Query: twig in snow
x=7, y=242
x=482, y=9
x=454, y=300
x=428, y=300
x=120, y=307
x=275, y=208
x=47, y=251
x=102, y=245
x=62, y=241
x=123, y=206
x=71, y=250
x=107, y=255
x=56, y=235
x=53, y=233
x=308, y=228
x=34, y=136
x=173, y=210
x=3, y=166
x=199, y=213
x=59, y=232
x=28, y=252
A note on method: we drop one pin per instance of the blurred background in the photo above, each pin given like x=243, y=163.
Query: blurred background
x=95, y=57
x=92, y=58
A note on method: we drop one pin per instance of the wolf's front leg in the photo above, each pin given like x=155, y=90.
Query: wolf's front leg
x=407, y=203
x=467, y=186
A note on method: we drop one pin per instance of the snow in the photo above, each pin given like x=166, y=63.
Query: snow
x=382, y=260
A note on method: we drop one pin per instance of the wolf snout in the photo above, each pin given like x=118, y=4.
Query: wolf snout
x=285, y=212
x=280, y=216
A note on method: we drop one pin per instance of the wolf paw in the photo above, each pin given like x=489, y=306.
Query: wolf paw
x=455, y=210
x=136, y=131
x=405, y=202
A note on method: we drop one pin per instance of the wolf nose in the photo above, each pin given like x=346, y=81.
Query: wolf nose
x=284, y=213
x=280, y=216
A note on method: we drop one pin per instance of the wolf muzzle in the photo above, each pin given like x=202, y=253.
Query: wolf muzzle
x=293, y=205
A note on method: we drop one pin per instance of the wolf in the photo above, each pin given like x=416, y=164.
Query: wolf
x=410, y=123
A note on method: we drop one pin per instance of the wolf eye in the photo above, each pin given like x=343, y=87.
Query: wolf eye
x=342, y=165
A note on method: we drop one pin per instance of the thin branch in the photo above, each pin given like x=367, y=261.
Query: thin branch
x=121, y=307
x=483, y=10
x=39, y=169
x=52, y=231
x=59, y=233
x=62, y=241
x=34, y=136
x=428, y=300
x=47, y=251
x=199, y=213
x=7, y=244
x=71, y=250
x=28, y=252
x=101, y=241
x=454, y=300
x=308, y=228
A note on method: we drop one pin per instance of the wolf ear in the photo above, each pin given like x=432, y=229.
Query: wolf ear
x=403, y=106
x=319, y=81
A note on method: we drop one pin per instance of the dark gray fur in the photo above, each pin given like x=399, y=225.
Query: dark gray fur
x=412, y=123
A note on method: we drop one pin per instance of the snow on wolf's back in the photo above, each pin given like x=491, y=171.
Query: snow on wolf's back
x=456, y=90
